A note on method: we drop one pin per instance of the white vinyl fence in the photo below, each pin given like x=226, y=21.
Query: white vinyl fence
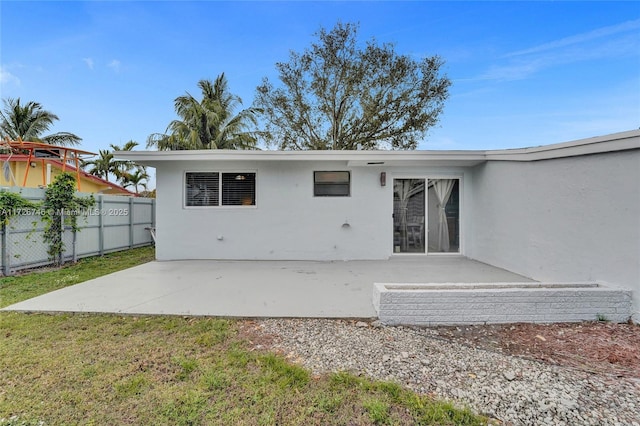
x=114, y=223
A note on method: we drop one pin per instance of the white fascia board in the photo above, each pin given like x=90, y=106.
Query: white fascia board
x=601, y=144
x=417, y=158
x=351, y=158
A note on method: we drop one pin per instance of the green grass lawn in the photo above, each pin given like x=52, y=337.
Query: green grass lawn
x=110, y=370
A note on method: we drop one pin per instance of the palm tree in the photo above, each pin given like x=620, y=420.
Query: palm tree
x=209, y=123
x=105, y=165
x=135, y=179
x=101, y=166
x=28, y=122
x=126, y=147
x=122, y=167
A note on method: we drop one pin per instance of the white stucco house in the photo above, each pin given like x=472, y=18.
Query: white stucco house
x=562, y=212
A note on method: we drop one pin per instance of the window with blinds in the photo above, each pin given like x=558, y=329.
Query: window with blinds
x=202, y=189
x=332, y=184
x=238, y=189
x=205, y=189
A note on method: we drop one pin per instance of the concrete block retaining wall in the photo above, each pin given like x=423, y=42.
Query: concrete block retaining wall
x=463, y=303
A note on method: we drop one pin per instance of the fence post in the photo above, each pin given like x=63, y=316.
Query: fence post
x=100, y=225
x=6, y=268
x=61, y=254
x=131, y=222
x=74, y=253
x=153, y=212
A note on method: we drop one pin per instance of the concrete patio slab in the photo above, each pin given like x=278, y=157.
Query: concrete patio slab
x=258, y=288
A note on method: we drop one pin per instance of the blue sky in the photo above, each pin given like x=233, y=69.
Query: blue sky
x=523, y=73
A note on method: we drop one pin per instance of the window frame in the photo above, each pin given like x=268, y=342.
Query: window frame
x=220, y=190
x=335, y=183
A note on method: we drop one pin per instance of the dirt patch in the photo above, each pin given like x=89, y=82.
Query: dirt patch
x=252, y=332
x=598, y=347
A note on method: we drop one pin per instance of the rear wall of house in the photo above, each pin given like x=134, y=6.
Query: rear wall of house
x=288, y=222
x=567, y=219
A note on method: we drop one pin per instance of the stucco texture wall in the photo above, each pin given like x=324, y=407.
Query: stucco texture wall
x=566, y=219
x=288, y=222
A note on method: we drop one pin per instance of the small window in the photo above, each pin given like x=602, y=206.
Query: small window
x=205, y=188
x=332, y=184
x=202, y=189
x=238, y=189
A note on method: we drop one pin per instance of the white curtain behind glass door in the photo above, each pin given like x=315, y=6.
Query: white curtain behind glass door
x=442, y=189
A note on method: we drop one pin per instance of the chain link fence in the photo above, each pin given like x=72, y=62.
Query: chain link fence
x=114, y=223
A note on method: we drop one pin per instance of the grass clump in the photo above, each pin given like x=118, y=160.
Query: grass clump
x=131, y=386
x=187, y=366
x=185, y=409
x=378, y=411
x=286, y=375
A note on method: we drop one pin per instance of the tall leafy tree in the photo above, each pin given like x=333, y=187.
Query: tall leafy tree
x=339, y=94
x=29, y=122
x=209, y=123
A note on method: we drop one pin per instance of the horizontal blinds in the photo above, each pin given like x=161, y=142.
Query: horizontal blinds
x=202, y=189
x=238, y=189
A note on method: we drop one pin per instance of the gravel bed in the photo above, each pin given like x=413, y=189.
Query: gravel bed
x=514, y=390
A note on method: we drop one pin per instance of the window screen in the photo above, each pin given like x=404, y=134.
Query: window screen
x=332, y=184
x=204, y=189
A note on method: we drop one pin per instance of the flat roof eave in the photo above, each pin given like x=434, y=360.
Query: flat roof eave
x=621, y=141
x=456, y=158
x=352, y=158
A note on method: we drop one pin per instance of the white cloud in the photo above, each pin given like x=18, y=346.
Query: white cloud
x=89, y=62
x=7, y=78
x=515, y=71
x=605, y=43
x=114, y=65
x=629, y=26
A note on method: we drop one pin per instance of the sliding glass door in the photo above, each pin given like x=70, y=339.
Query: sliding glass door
x=408, y=215
x=426, y=215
